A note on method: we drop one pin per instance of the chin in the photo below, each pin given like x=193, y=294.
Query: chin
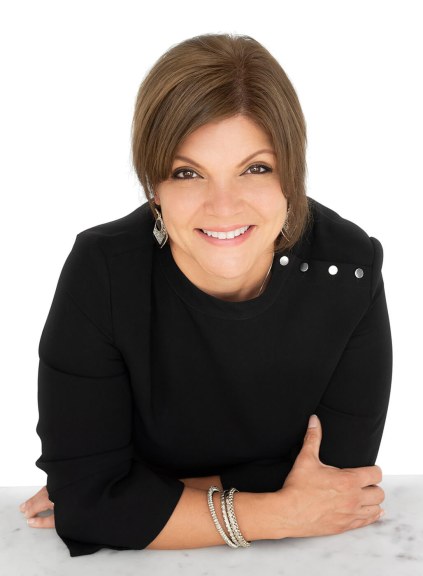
x=225, y=272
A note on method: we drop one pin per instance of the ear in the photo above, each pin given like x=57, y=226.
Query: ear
x=156, y=199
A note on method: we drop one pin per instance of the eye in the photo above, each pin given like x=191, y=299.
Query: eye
x=258, y=169
x=184, y=174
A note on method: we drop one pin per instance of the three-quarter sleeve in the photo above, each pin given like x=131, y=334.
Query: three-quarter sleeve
x=103, y=496
x=354, y=407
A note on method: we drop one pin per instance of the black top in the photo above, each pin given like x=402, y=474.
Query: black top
x=145, y=379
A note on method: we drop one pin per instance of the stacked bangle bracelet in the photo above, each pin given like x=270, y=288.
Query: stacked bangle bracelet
x=235, y=538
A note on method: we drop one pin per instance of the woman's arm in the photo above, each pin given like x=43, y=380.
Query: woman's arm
x=102, y=496
x=354, y=406
x=40, y=501
x=316, y=500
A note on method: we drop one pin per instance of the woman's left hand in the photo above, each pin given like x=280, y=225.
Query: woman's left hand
x=38, y=503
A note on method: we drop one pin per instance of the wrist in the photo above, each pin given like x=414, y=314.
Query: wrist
x=282, y=512
x=256, y=515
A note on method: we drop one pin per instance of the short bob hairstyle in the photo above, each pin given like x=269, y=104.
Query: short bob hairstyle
x=212, y=77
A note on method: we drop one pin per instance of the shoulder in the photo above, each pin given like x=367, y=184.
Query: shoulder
x=86, y=273
x=337, y=238
x=334, y=239
x=132, y=231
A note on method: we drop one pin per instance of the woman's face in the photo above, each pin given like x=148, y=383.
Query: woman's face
x=223, y=180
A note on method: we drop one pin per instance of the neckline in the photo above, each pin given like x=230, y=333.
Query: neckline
x=212, y=306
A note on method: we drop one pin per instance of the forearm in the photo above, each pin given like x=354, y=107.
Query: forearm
x=191, y=524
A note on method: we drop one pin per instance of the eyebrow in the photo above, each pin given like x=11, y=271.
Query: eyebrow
x=190, y=161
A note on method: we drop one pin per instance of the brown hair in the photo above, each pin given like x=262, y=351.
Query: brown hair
x=216, y=76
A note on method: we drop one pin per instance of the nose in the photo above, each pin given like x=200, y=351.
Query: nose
x=223, y=198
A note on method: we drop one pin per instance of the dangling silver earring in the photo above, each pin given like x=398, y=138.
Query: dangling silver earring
x=159, y=230
x=285, y=228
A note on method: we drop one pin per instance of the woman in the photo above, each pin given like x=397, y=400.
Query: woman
x=189, y=342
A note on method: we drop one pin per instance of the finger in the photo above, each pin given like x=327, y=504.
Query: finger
x=370, y=511
x=367, y=519
x=313, y=436
x=25, y=505
x=36, y=504
x=41, y=521
x=367, y=475
x=40, y=495
x=373, y=495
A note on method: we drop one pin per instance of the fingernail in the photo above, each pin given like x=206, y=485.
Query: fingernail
x=31, y=521
x=382, y=513
x=22, y=507
x=312, y=423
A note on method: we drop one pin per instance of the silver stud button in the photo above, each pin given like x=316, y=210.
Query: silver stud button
x=284, y=260
x=333, y=270
x=359, y=273
x=304, y=267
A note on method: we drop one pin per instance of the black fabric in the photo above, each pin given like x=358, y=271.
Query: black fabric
x=145, y=379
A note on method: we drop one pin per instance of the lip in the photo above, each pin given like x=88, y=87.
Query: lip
x=224, y=228
x=228, y=242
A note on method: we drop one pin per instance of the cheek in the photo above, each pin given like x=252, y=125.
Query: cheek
x=180, y=208
x=176, y=218
x=275, y=212
x=272, y=204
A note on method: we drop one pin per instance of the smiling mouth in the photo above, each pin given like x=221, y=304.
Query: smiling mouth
x=229, y=235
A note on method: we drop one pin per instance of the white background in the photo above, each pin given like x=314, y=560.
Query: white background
x=69, y=74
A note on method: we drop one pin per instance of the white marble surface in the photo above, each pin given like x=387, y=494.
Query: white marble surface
x=392, y=546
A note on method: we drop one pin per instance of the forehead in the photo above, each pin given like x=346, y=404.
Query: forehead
x=234, y=136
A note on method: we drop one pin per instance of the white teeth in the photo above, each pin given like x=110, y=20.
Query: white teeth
x=226, y=235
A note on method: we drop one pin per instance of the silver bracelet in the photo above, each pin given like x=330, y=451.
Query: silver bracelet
x=210, y=493
x=232, y=518
x=223, y=505
x=235, y=539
